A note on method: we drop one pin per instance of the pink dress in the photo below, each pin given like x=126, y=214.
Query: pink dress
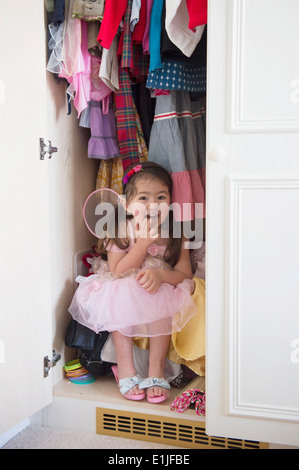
x=117, y=302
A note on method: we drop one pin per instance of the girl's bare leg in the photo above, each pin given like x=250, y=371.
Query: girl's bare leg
x=124, y=356
x=157, y=356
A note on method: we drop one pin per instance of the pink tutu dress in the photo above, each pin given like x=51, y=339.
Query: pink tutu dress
x=107, y=302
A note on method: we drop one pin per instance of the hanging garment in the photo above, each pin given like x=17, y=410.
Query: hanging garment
x=98, y=89
x=170, y=51
x=93, y=31
x=139, y=28
x=113, y=14
x=103, y=141
x=141, y=144
x=77, y=67
x=71, y=41
x=125, y=121
x=55, y=21
x=177, y=142
x=176, y=75
x=176, y=24
x=145, y=105
x=110, y=172
x=89, y=10
x=109, y=66
x=84, y=120
x=110, y=175
x=55, y=64
x=58, y=15
x=155, y=35
x=135, y=12
x=145, y=40
x=198, y=12
x=132, y=67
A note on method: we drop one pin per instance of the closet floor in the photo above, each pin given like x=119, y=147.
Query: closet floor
x=99, y=407
x=104, y=391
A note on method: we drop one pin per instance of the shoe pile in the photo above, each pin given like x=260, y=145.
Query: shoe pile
x=77, y=374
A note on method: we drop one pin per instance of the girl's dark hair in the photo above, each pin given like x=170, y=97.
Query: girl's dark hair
x=151, y=170
x=147, y=169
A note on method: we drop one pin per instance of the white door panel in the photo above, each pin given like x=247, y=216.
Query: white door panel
x=25, y=311
x=252, y=220
x=262, y=72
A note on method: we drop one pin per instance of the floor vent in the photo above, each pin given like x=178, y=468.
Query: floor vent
x=169, y=431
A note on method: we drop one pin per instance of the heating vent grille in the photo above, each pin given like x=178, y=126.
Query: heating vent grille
x=170, y=431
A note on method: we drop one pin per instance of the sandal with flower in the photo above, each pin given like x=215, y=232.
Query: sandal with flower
x=152, y=382
x=126, y=384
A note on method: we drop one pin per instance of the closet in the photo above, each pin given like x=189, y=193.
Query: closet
x=252, y=230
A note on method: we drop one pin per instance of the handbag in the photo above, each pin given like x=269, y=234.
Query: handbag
x=79, y=336
x=92, y=360
x=91, y=345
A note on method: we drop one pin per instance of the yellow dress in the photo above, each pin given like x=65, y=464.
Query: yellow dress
x=188, y=345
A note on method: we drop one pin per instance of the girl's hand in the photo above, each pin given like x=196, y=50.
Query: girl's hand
x=150, y=279
x=145, y=234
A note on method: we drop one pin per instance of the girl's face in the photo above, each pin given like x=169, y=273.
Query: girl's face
x=151, y=200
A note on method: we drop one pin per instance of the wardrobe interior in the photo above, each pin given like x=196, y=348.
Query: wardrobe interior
x=132, y=73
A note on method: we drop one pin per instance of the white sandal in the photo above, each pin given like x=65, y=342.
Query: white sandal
x=126, y=384
x=151, y=382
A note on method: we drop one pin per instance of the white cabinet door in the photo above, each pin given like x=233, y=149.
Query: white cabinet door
x=25, y=300
x=253, y=220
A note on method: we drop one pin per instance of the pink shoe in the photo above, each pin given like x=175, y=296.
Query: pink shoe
x=155, y=382
x=126, y=384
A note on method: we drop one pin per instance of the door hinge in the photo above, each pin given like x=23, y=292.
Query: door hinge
x=43, y=149
x=51, y=363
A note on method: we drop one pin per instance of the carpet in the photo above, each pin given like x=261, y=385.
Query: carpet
x=40, y=437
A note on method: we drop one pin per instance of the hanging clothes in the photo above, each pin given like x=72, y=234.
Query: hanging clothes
x=92, y=32
x=77, y=67
x=113, y=14
x=179, y=72
x=181, y=150
x=133, y=65
x=141, y=143
x=110, y=175
x=155, y=35
x=169, y=50
x=145, y=40
x=89, y=10
x=176, y=75
x=98, y=89
x=176, y=24
x=198, y=12
x=135, y=12
x=145, y=105
x=139, y=49
x=139, y=27
x=55, y=44
x=103, y=141
x=109, y=66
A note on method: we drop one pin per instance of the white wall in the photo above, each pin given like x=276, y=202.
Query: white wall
x=72, y=179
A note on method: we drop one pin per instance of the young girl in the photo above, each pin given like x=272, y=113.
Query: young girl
x=144, y=290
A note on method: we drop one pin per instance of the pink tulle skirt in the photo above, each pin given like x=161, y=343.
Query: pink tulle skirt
x=103, y=302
